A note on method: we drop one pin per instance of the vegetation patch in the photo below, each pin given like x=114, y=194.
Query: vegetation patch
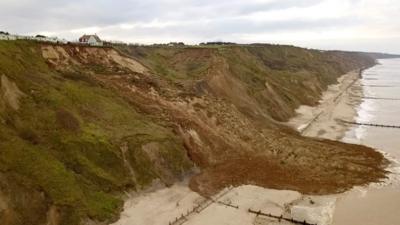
x=67, y=120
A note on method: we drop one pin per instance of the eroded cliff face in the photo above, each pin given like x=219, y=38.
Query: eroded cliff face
x=245, y=92
x=94, y=122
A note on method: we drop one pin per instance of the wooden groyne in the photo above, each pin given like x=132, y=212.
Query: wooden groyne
x=335, y=100
x=279, y=218
x=377, y=98
x=371, y=124
x=348, y=87
x=228, y=204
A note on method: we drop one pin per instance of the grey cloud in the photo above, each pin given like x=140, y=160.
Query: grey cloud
x=191, y=20
x=29, y=15
x=223, y=29
x=277, y=5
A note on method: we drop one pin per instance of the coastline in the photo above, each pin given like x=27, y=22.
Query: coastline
x=376, y=203
x=339, y=100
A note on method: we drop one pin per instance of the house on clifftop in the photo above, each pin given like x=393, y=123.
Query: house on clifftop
x=92, y=40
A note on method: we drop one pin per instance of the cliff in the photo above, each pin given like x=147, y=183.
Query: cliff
x=81, y=125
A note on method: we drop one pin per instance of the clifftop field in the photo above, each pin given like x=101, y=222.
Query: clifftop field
x=81, y=125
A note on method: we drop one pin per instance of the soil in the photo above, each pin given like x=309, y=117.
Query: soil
x=271, y=172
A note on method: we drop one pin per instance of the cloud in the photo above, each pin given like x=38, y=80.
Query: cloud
x=279, y=21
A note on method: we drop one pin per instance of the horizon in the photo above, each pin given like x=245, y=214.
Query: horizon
x=346, y=25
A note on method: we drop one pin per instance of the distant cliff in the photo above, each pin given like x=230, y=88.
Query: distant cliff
x=381, y=55
x=81, y=125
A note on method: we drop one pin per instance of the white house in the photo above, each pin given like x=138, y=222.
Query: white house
x=92, y=40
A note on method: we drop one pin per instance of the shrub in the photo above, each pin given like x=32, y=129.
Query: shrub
x=29, y=135
x=67, y=120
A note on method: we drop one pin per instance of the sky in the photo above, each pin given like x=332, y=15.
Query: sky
x=356, y=25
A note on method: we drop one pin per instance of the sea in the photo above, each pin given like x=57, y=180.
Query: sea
x=377, y=204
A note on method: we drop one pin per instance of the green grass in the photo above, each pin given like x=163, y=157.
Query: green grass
x=42, y=167
x=296, y=75
x=173, y=64
x=80, y=170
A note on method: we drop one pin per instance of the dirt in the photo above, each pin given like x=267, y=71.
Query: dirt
x=272, y=172
x=67, y=58
x=30, y=202
x=53, y=216
x=126, y=62
x=9, y=93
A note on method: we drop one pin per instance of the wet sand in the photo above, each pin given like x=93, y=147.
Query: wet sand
x=377, y=204
x=369, y=207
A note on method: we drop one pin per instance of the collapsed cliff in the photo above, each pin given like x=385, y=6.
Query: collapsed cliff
x=80, y=125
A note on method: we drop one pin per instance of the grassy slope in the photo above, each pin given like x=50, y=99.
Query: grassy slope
x=297, y=76
x=66, y=138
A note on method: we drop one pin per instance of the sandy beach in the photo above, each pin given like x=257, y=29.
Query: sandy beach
x=338, y=102
x=179, y=205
